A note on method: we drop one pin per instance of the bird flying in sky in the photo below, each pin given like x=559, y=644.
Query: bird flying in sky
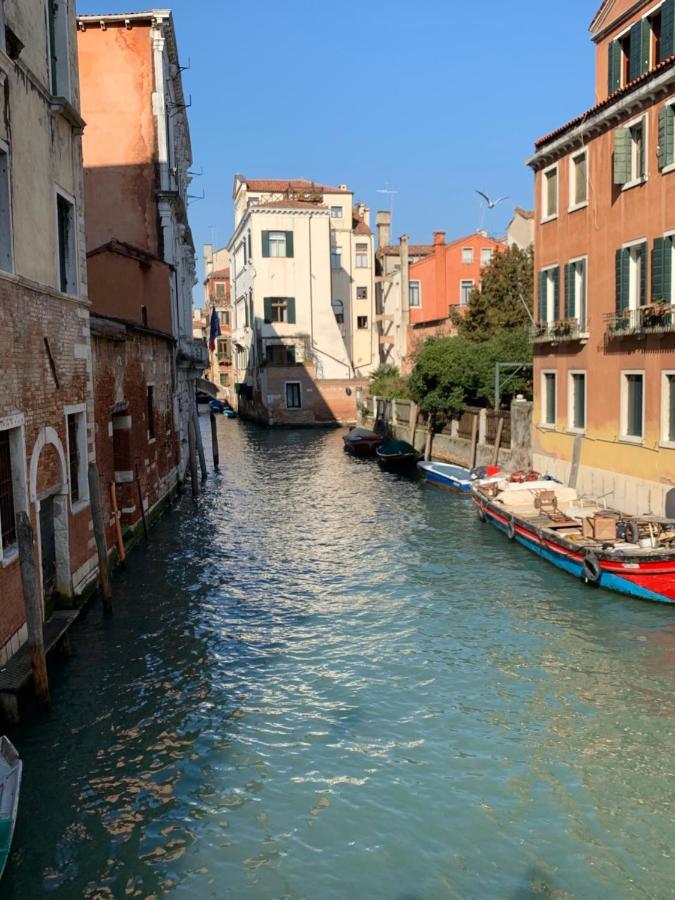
x=491, y=203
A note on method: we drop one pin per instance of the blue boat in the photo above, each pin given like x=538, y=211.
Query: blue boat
x=222, y=406
x=457, y=478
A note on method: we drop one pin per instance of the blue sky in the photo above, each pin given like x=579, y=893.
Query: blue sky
x=432, y=98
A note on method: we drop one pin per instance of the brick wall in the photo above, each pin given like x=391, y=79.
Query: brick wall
x=125, y=362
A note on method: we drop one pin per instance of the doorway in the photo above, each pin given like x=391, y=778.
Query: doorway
x=48, y=546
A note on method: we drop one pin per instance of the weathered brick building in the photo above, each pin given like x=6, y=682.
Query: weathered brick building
x=46, y=438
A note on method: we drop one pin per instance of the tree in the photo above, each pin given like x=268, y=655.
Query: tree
x=503, y=300
x=388, y=383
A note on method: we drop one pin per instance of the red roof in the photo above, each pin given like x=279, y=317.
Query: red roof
x=617, y=95
x=219, y=273
x=413, y=250
x=280, y=186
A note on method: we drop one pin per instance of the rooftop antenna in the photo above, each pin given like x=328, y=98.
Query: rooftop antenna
x=387, y=189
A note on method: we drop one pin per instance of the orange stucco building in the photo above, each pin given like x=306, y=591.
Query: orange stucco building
x=444, y=280
x=604, y=340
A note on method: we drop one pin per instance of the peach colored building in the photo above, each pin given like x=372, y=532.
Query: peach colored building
x=137, y=157
x=443, y=282
x=604, y=243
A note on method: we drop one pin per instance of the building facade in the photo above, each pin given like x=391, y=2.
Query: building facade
x=302, y=284
x=520, y=230
x=46, y=413
x=218, y=296
x=604, y=242
x=137, y=156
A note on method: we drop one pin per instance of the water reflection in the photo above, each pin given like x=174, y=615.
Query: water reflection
x=329, y=682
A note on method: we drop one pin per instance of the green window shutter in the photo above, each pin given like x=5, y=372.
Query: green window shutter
x=250, y=246
x=645, y=45
x=635, y=51
x=542, y=297
x=614, y=67
x=268, y=310
x=289, y=243
x=643, y=273
x=668, y=270
x=290, y=318
x=622, y=155
x=622, y=279
x=666, y=136
x=657, y=269
x=556, y=293
x=569, y=291
x=667, y=30
x=265, y=243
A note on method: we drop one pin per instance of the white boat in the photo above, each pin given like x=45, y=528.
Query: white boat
x=11, y=769
x=456, y=477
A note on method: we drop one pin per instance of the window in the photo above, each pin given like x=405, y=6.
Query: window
x=632, y=405
x=485, y=256
x=362, y=256
x=665, y=34
x=336, y=258
x=225, y=317
x=220, y=289
x=277, y=243
x=576, y=403
x=65, y=219
x=668, y=408
x=3, y=44
x=59, y=56
x=579, y=180
x=663, y=270
x=631, y=277
x=6, y=243
x=414, y=293
x=550, y=193
x=575, y=292
x=151, y=412
x=336, y=212
x=667, y=136
x=630, y=154
x=467, y=255
x=339, y=310
x=362, y=322
x=548, y=401
x=279, y=309
x=224, y=379
x=362, y=293
x=293, y=395
x=549, y=295
x=280, y=354
x=465, y=288
x=7, y=506
x=76, y=442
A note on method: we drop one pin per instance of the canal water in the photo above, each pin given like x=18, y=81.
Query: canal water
x=323, y=681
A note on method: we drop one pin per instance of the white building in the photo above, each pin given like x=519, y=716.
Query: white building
x=302, y=274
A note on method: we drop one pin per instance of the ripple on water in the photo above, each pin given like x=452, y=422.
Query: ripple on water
x=323, y=681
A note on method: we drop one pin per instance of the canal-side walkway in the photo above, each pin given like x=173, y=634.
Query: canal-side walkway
x=323, y=681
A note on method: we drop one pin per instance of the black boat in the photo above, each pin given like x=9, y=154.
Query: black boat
x=393, y=454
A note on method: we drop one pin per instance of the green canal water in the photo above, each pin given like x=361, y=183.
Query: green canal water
x=323, y=681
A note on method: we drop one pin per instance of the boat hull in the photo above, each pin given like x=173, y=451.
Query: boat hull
x=443, y=476
x=648, y=578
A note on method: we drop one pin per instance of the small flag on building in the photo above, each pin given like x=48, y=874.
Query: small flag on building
x=215, y=329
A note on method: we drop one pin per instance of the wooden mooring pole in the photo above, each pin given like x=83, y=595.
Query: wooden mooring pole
x=474, y=441
x=200, y=445
x=99, y=535
x=31, y=596
x=192, y=451
x=214, y=440
x=412, y=422
x=498, y=440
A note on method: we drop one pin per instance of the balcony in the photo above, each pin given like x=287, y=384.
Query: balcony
x=558, y=332
x=193, y=354
x=657, y=318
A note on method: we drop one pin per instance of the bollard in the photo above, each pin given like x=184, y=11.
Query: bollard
x=192, y=450
x=99, y=535
x=200, y=445
x=214, y=441
x=31, y=597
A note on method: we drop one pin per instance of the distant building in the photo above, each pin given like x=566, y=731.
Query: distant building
x=604, y=341
x=302, y=276
x=520, y=231
x=46, y=413
x=141, y=262
x=217, y=295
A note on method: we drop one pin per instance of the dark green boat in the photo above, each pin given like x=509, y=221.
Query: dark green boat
x=396, y=455
x=10, y=785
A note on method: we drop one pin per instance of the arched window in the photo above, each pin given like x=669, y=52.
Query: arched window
x=339, y=310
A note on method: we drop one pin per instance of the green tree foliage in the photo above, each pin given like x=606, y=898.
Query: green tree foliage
x=388, y=383
x=501, y=303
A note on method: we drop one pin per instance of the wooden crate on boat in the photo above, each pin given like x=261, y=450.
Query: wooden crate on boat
x=600, y=527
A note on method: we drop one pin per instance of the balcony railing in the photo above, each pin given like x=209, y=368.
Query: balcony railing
x=657, y=318
x=555, y=332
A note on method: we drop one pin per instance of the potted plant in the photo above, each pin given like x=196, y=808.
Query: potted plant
x=654, y=315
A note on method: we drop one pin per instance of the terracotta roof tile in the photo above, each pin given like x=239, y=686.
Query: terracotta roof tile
x=281, y=185
x=413, y=250
x=617, y=95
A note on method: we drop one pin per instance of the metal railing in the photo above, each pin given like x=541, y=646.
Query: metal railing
x=656, y=318
x=561, y=330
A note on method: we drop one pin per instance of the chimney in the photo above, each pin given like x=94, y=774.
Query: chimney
x=439, y=239
x=208, y=259
x=363, y=212
x=383, y=225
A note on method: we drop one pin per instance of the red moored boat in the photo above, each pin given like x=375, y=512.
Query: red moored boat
x=631, y=555
x=361, y=442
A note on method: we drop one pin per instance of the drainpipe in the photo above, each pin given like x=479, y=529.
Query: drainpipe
x=405, y=297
